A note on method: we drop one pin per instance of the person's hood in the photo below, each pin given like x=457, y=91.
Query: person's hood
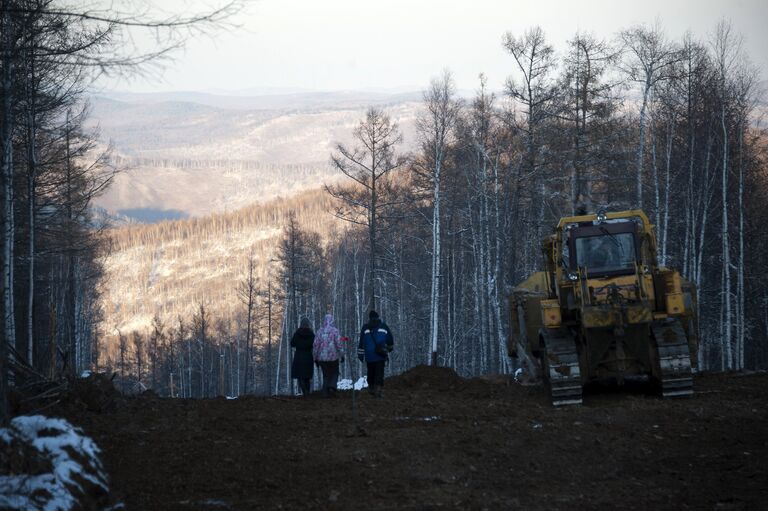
x=305, y=330
x=328, y=320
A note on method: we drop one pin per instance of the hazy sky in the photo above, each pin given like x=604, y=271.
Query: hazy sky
x=401, y=44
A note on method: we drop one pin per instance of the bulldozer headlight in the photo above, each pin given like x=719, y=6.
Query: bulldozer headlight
x=572, y=276
x=601, y=216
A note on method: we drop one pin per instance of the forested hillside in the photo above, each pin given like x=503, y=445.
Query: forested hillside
x=162, y=275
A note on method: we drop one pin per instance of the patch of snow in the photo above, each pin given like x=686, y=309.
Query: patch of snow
x=214, y=503
x=58, y=441
x=85, y=374
x=153, y=271
x=231, y=397
x=518, y=374
x=346, y=384
x=423, y=419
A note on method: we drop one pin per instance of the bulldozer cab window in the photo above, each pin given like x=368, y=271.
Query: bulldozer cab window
x=606, y=253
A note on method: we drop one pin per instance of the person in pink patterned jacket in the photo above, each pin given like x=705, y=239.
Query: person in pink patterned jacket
x=328, y=351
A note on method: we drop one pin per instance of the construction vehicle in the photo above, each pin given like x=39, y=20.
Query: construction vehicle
x=603, y=309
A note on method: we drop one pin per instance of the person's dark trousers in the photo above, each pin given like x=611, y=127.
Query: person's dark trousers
x=304, y=386
x=330, y=376
x=375, y=375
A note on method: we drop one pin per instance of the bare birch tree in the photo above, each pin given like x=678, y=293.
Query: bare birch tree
x=726, y=47
x=435, y=128
x=651, y=59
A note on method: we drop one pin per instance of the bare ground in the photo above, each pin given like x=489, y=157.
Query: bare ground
x=438, y=441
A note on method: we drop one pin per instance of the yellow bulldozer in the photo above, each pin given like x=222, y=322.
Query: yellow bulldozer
x=603, y=309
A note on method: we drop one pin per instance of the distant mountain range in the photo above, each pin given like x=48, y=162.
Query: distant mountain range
x=275, y=100
x=192, y=154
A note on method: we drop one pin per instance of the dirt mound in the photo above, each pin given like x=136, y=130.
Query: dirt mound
x=96, y=393
x=444, y=379
x=427, y=377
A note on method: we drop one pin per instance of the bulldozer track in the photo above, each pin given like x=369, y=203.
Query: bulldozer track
x=674, y=359
x=561, y=368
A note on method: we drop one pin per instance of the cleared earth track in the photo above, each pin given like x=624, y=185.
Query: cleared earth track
x=438, y=440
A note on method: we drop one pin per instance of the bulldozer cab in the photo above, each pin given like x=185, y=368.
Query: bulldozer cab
x=603, y=250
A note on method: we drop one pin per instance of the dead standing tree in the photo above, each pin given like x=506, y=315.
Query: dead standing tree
x=535, y=90
x=586, y=114
x=368, y=165
x=248, y=292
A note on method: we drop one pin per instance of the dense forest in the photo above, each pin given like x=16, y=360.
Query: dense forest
x=52, y=167
x=434, y=240
x=639, y=122
x=162, y=279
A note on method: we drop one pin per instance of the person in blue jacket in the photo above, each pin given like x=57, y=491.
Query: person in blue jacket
x=376, y=342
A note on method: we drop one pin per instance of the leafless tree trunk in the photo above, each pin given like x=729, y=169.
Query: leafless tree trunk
x=6, y=173
x=367, y=165
x=247, y=292
x=435, y=128
x=726, y=48
x=651, y=61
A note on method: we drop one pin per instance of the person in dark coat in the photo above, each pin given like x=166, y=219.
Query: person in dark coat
x=303, y=368
x=376, y=342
